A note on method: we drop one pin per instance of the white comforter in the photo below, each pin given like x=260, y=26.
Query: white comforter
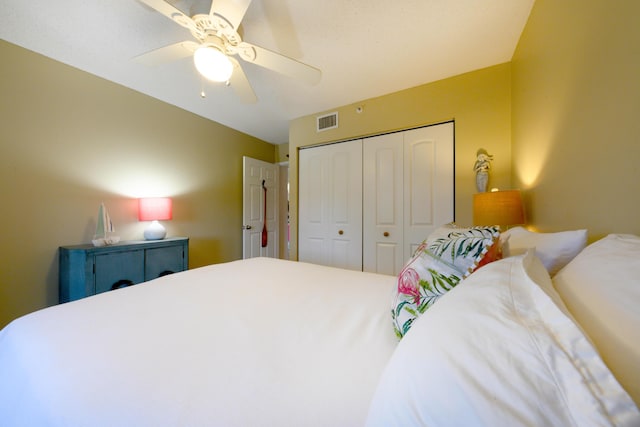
x=276, y=343
x=260, y=342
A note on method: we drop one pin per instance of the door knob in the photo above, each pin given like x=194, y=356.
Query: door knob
x=246, y=227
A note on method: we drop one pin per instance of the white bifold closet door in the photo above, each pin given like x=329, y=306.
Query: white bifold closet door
x=408, y=191
x=330, y=205
x=383, y=203
x=367, y=204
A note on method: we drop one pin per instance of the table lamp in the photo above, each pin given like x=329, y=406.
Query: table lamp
x=502, y=208
x=154, y=209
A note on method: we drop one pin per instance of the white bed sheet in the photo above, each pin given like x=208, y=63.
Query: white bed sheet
x=260, y=342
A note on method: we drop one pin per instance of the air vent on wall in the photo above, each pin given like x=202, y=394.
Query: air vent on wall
x=328, y=121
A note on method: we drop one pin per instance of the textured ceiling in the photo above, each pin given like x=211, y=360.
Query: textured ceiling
x=365, y=48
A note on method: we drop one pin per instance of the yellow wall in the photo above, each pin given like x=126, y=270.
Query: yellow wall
x=479, y=102
x=562, y=120
x=70, y=140
x=576, y=115
x=282, y=153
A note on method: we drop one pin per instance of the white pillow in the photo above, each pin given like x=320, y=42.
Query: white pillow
x=497, y=351
x=601, y=288
x=555, y=250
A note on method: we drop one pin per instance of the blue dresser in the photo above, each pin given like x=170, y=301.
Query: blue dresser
x=88, y=270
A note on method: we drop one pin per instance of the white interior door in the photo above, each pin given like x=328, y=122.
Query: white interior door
x=330, y=205
x=428, y=182
x=258, y=176
x=408, y=192
x=368, y=204
x=382, y=213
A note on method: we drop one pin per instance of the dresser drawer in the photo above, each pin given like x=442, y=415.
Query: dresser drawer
x=162, y=261
x=118, y=269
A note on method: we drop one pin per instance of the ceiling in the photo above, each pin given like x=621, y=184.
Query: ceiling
x=364, y=48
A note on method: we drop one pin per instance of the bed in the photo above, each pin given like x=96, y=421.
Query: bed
x=266, y=342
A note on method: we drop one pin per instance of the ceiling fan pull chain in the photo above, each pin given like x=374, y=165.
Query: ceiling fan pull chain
x=203, y=94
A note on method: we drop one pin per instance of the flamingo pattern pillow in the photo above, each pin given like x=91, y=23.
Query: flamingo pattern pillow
x=437, y=266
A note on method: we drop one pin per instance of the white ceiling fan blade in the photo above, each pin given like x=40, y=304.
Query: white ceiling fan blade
x=279, y=63
x=231, y=10
x=168, y=53
x=240, y=84
x=171, y=12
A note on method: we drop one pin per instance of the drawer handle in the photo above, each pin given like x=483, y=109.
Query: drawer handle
x=341, y=232
x=385, y=234
x=122, y=283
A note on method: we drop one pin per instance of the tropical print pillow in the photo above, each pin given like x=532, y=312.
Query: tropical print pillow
x=437, y=266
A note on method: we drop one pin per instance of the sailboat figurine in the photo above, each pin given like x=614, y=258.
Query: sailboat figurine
x=105, y=234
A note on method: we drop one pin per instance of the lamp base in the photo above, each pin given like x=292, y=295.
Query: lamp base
x=155, y=231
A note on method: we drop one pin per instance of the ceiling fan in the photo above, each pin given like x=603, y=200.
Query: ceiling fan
x=218, y=42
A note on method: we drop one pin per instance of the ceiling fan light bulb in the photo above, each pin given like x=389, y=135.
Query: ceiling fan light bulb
x=212, y=64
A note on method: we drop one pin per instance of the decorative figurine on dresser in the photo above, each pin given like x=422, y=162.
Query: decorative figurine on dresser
x=481, y=168
x=88, y=270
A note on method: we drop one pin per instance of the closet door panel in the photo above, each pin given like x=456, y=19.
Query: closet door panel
x=345, y=221
x=428, y=182
x=382, y=204
x=420, y=182
x=313, y=213
x=388, y=259
x=314, y=251
x=341, y=164
x=330, y=205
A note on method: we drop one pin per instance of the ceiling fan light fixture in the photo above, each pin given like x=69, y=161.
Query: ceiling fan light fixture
x=212, y=64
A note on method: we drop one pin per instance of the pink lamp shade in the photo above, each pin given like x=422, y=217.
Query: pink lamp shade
x=154, y=209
